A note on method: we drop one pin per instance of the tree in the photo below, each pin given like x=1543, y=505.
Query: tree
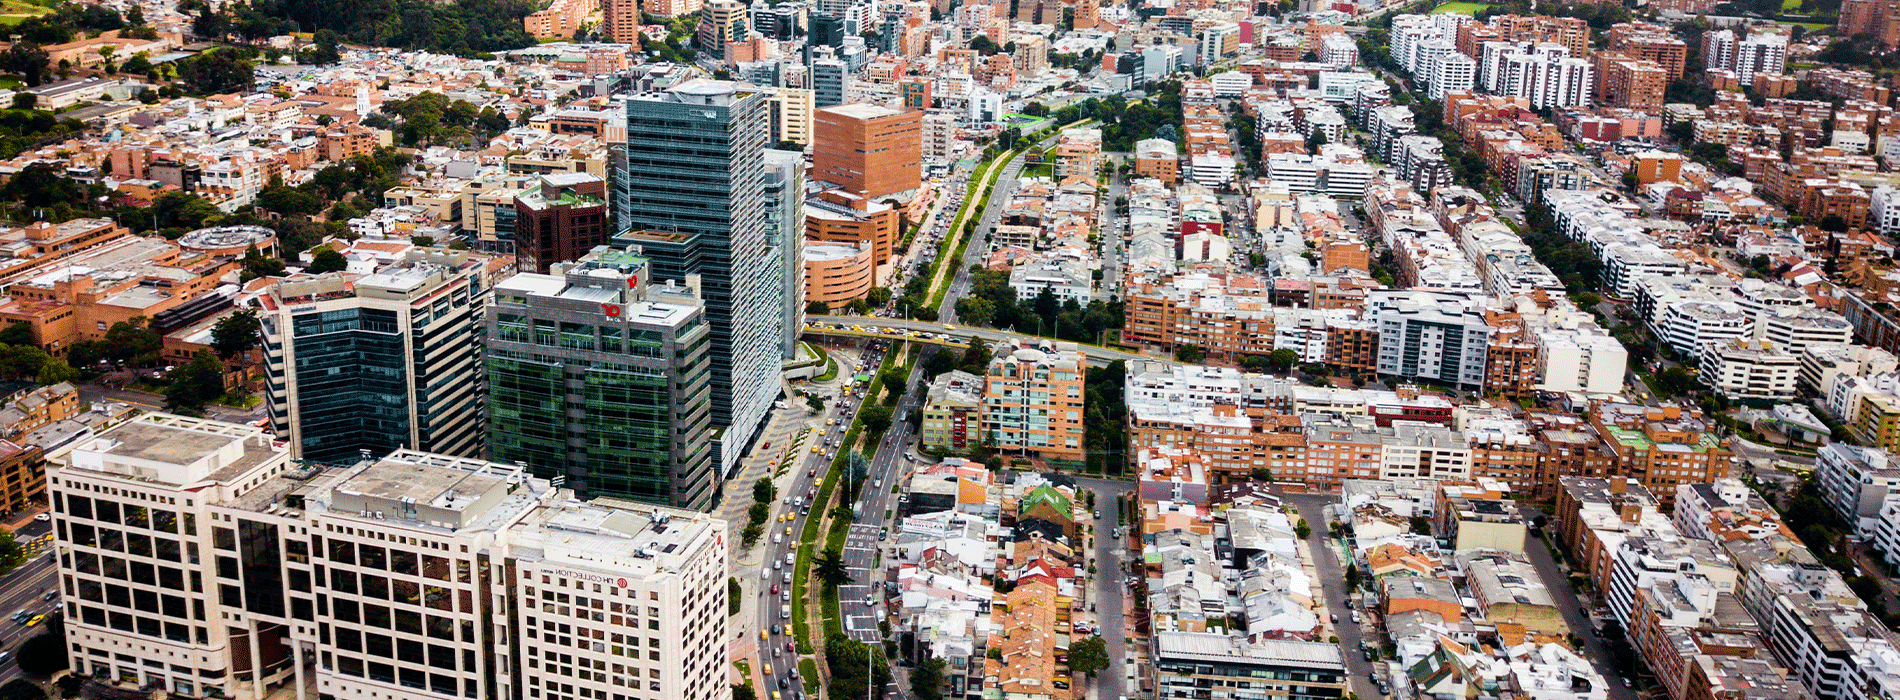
x=133, y=343
x=831, y=569
x=763, y=491
x=1088, y=655
x=195, y=385
x=17, y=333
x=55, y=370
x=816, y=404
x=1190, y=354
x=1352, y=575
x=22, y=689
x=1261, y=474
x=1315, y=141
x=878, y=296
x=938, y=362
x=184, y=210
x=137, y=63
x=325, y=52
x=288, y=201
x=1674, y=380
x=235, y=333
x=976, y=357
x=877, y=419
x=217, y=71
x=12, y=554
x=1631, y=181
x=926, y=679
x=758, y=513
x=28, y=59
x=1834, y=222
x=1421, y=525
x=326, y=259
x=44, y=654
x=1588, y=300
x=42, y=185
x=750, y=535
x=743, y=692
x=256, y=265
x=1302, y=529
x=817, y=308
x=1282, y=360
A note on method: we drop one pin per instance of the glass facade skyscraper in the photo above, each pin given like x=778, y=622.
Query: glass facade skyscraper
x=598, y=378
x=785, y=220
x=691, y=198
x=381, y=362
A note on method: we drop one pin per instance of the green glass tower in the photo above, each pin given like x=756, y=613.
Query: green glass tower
x=600, y=377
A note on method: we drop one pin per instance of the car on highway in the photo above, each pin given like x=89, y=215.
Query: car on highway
x=50, y=595
x=768, y=667
x=813, y=472
x=42, y=517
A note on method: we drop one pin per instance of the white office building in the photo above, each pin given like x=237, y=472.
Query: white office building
x=1750, y=370
x=198, y=558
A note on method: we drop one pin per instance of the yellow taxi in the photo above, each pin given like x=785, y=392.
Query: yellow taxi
x=768, y=670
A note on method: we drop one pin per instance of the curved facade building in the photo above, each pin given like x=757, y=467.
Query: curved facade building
x=838, y=274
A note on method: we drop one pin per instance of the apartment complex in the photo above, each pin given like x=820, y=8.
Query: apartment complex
x=197, y=557
x=559, y=219
x=1032, y=400
x=380, y=361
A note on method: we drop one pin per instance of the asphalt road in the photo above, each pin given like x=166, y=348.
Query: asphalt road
x=25, y=589
x=773, y=588
x=1114, y=235
x=862, y=601
x=979, y=248
x=1579, y=621
x=1332, y=582
x=1110, y=565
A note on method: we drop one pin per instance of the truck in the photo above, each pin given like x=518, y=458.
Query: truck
x=785, y=612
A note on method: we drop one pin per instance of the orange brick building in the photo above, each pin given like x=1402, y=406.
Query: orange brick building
x=868, y=150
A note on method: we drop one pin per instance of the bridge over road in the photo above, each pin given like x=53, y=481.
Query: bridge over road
x=948, y=335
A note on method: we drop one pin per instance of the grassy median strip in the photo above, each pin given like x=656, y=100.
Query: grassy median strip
x=801, y=568
x=971, y=203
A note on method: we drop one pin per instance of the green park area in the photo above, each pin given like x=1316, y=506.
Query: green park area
x=1463, y=7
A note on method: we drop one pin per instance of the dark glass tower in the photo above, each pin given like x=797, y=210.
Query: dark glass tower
x=691, y=197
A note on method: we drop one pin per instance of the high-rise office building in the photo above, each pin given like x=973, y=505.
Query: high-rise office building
x=559, y=219
x=197, y=557
x=830, y=80
x=721, y=22
x=785, y=220
x=380, y=361
x=599, y=375
x=868, y=150
x=694, y=188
